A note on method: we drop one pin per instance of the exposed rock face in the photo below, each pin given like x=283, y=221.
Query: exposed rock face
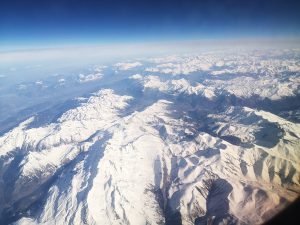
x=164, y=151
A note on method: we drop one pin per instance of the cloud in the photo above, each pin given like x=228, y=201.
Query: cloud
x=90, y=77
x=22, y=86
x=84, y=54
x=39, y=82
x=127, y=66
x=136, y=77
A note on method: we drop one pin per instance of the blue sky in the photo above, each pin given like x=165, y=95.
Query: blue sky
x=62, y=22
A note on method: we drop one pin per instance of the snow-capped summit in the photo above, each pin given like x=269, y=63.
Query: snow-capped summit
x=186, y=140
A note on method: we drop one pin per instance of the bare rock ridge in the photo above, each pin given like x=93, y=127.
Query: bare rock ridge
x=160, y=150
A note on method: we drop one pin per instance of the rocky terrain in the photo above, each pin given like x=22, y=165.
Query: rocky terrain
x=210, y=138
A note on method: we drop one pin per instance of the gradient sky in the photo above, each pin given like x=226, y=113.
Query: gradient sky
x=59, y=22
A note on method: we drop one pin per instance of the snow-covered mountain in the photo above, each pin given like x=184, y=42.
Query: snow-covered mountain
x=188, y=139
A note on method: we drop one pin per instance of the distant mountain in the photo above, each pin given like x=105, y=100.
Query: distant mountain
x=210, y=138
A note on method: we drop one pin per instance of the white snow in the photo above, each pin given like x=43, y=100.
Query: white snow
x=120, y=159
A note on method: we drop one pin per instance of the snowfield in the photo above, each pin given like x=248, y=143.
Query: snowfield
x=187, y=140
